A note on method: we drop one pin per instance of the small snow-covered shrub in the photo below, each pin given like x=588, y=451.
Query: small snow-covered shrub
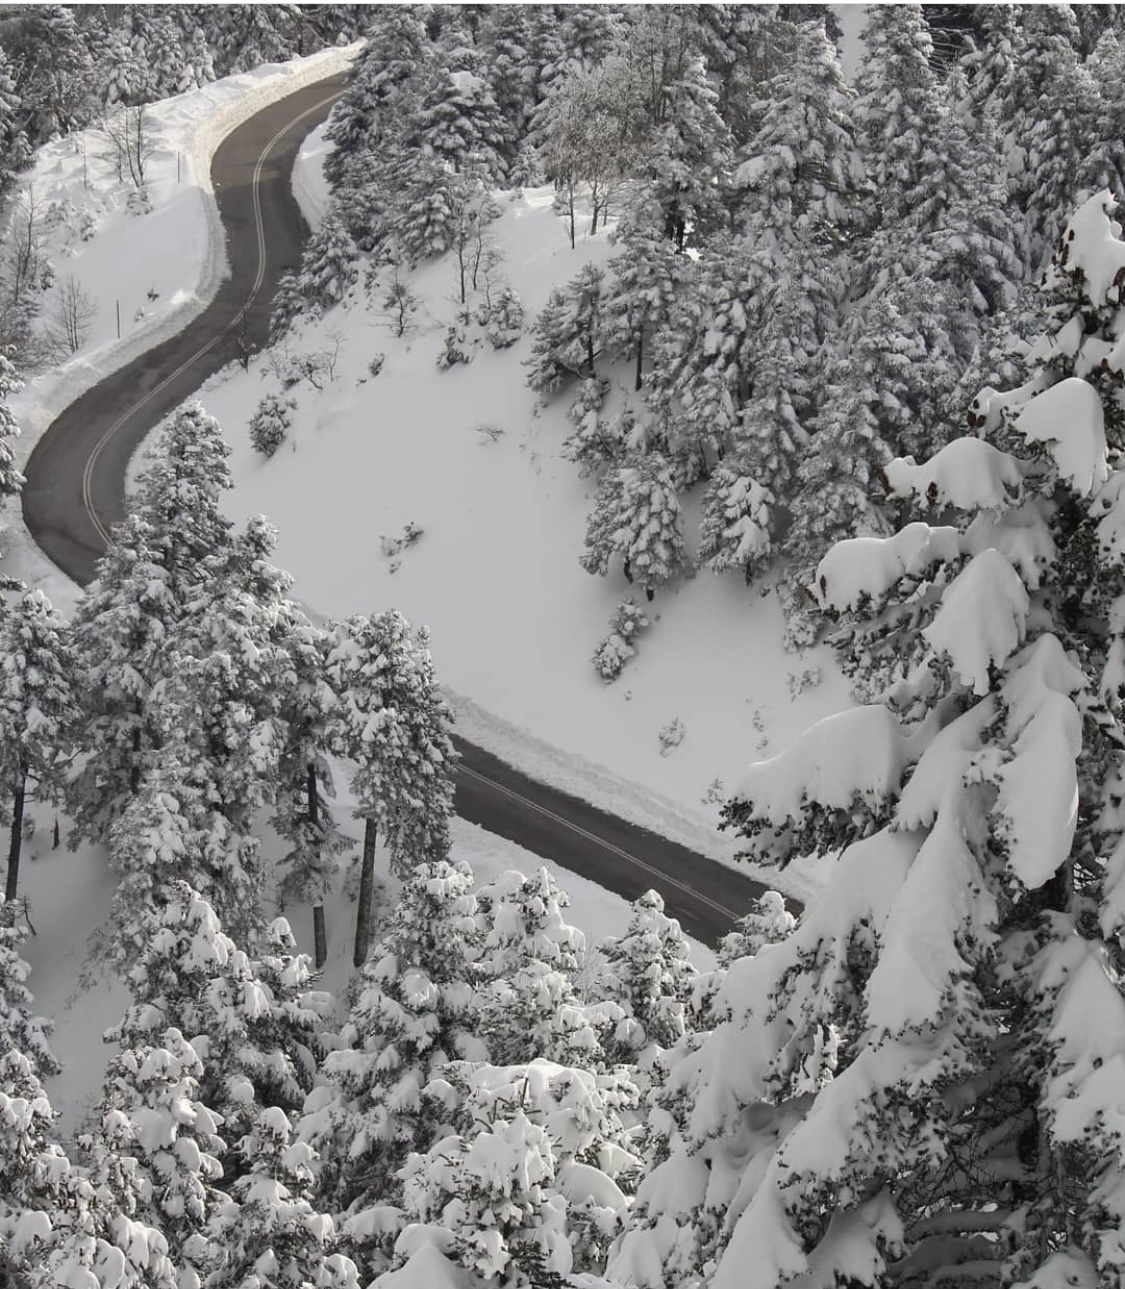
x=138, y=202
x=671, y=736
x=394, y=546
x=502, y=318
x=375, y=366
x=452, y=353
x=799, y=681
x=270, y=422
x=617, y=648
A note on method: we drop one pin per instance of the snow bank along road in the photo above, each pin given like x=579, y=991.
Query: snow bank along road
x=75, y=493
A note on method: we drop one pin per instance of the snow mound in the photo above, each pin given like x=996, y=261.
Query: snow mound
x=861, y=753
x=867, y=567
x=1092, y=246
x=981, y=620
x=969, y=474
x=1069, y=418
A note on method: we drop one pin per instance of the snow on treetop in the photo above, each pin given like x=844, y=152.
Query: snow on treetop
x=860, y=753
x=943, y=892
x=1088, y=1037
x=1069, y=418
x=968, y=473
x=982, y=618
x=428, y=1267
x=1092, y=246
x=869, y=566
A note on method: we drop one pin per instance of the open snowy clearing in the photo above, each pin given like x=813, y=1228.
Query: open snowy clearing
x=469, y=457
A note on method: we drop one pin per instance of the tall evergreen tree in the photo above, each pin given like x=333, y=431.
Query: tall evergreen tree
x=38, y=709
x=416, y=1010
x=394, y=726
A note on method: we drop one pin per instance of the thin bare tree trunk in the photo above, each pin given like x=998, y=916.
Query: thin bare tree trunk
x=640, y=357
x=366, y=894
x=320, y=931
x=16, y=841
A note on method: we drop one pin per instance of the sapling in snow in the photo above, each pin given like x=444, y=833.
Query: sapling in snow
x=617, y=648
x=270, y=423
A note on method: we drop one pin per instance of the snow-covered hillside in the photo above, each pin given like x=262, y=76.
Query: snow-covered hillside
x=470, y=457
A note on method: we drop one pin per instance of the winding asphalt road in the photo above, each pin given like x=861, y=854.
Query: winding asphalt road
x=75, y=493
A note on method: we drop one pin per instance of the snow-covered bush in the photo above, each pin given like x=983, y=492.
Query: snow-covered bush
x=269, y=424
x=452, y=352
x=502, y=318
x=617, y=648
x=671, y=735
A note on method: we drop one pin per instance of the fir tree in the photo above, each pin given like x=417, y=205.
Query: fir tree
x=268, y=1231
x=567, y=333
x=271, y=419
x=415, y=1011
x=152, y=1114
x=120, y=638
x=328, y=263
x=38, y=709
x=803, y=169
x=530, y=957
x=394, y=726
x=736, y=527
x=649, y=973
x=20, y=1031
x=637, y=516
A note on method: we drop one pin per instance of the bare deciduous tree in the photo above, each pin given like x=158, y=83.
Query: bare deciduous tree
x=130, y=142
x=71, y=318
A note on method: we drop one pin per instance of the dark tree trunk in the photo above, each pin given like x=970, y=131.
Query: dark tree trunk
x=628, y=571
x=135, y=768
x=640, y=358
x=320, y=931
x=366, y=894
x=649, y=594
x=16, y=841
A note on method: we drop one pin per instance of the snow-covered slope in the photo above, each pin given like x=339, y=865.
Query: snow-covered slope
x=468, y=456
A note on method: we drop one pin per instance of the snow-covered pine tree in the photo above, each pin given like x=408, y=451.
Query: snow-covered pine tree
x=302, y=815
x=254, y=1023
x=328, y=263
x=637, y=516
x=529, y=1005
x=888, y=386
x=898, y=108
x=768, y=922
x=272, y=418
x=736, y=523
x=460, y=124
x=646, y=275
x=33, y=1170
x=178, y=495
x=951, y=993
x=803, y=169
x=688, y=158
x=11, y=481
x=38, y=709
x=649, y=972
x=591, y=1169
x=393, y=724
x=267, y=1231
x=20, y=1031
x=415, y=1012
x=567, y=333
x=120, y=635
x=151, y=1115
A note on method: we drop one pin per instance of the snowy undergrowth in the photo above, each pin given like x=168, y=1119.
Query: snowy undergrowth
x=468, y=456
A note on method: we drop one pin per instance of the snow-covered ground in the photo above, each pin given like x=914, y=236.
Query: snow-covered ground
x=468, y=456
x=69, y=893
